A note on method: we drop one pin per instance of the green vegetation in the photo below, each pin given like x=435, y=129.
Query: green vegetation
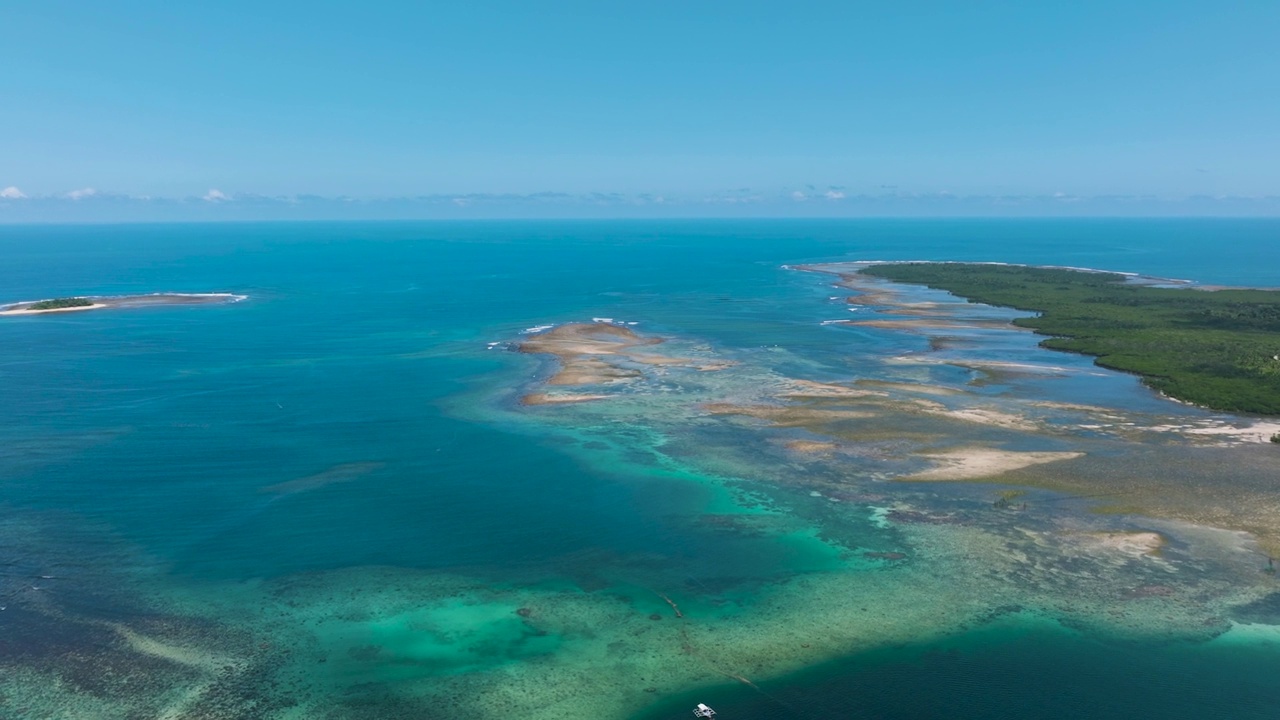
x=1218, y=349
x=59, y=303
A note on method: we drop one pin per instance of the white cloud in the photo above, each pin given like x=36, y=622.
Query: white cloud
x=82, y=193
x=833, y=195
x=215, y=195
x=12, y=193
x=799, y=196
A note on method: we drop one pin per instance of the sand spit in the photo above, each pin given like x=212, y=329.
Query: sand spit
x=124, y=301
x=1014, y=368
x=560, y=398
x=881, y=293
x=975, y=463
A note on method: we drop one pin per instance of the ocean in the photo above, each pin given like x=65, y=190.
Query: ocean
x=327, y=500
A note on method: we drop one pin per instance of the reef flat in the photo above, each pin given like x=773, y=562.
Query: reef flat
x=598, y=353
x=858, y=459
x=102, y=302
x=1217, y=348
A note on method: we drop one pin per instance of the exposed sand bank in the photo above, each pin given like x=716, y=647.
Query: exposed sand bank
x=591, y=353
x=977, y=462
x=560, y=398
x=601, y=353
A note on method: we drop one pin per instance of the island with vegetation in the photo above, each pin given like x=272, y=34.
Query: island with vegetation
x=77, y=303
x=61, y=303
x=1218, y=348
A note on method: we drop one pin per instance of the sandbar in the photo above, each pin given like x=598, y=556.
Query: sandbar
x=979, y=462
x=560, y=398
x=25, y=307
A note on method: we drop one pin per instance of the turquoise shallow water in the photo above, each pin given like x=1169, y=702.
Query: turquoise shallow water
x=347, y=416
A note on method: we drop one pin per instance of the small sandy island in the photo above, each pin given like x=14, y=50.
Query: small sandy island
x=99, y=302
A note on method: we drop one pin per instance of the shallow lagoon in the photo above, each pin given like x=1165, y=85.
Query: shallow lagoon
x=327, y=498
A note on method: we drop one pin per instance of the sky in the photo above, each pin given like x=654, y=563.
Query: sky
x=245, y=109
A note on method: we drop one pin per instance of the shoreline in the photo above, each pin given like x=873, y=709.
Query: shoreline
x=1211, y=349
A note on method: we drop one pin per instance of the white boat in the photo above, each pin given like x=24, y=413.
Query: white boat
x=702, y=711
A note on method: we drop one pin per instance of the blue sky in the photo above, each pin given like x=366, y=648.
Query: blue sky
x=705, y=106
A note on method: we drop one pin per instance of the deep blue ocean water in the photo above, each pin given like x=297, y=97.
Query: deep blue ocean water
x=160, y=427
